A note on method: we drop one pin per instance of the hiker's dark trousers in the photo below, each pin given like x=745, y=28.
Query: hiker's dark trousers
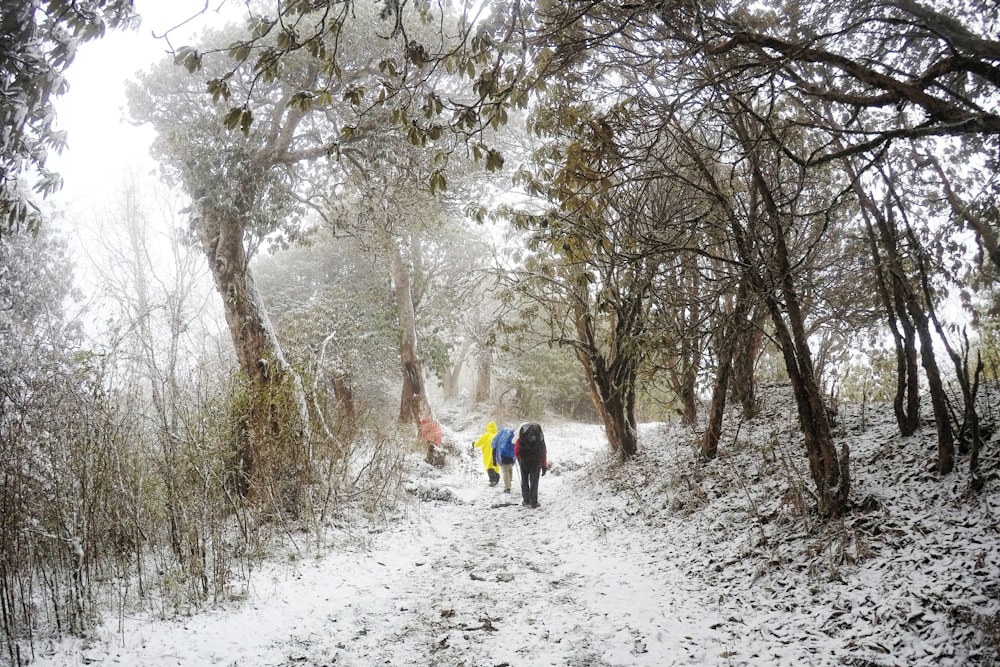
x=529, y=484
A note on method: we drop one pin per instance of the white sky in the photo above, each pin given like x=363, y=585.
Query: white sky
x=102, y=145
x=105, y=152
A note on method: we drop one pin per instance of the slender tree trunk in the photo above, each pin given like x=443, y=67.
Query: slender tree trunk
x=133, y=220
x=683, y=381
x=906, y=403
x=162, y=381
x=686, y=350
x=829, y=474
x=935, y=385
x=750, y=340
x=413, y=402
x=890, y=286
x=939, y=399
x=733, y=332
x=717, y=409
x=813, y=419
x=484, y=374
x=968, y=382
x=687, y=377
x=982, y=228
x=747, y=346
x=924, y=320
x=691, y=346
x=910, y=310
x=454, y=374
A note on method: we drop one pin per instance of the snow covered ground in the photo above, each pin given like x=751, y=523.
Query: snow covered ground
x=656, y=562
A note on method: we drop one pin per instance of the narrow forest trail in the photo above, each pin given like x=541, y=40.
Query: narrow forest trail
x=508, y=585
x=486, y=582
x=477, y=581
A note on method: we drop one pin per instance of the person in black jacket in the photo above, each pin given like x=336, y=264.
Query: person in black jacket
x=529, y=449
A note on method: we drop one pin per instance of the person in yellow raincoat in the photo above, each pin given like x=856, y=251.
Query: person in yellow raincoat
x=485, y=443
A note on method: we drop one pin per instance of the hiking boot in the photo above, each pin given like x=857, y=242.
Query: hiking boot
x=534, y=506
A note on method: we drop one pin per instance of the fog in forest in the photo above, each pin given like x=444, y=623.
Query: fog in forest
x=269, y=269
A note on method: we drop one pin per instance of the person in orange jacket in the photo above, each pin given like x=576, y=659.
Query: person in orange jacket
x=429, y=433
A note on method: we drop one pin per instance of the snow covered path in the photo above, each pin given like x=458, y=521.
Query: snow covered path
x=465, y=576
x=511, y=585
x=482, y=581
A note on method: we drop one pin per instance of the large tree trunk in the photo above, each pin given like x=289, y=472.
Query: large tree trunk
x=612, y=387
x=413, y=402
x=619, y=417
x=257, y=350
x=270, y=455
x=613, y=396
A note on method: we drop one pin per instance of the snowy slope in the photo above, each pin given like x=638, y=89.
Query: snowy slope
x=656, y=562
x=911, y=577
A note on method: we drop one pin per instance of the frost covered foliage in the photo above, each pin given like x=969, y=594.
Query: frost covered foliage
x=336, y=320
x=45, y=391
x=38, y=41
x=116, y=469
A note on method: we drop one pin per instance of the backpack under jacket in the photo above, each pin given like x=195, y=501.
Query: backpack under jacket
x=503, y=443
x=531, y=446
